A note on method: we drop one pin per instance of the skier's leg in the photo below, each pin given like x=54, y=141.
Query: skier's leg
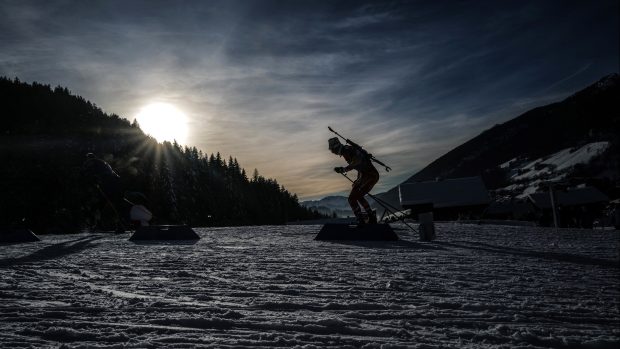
x=354, y=197
x=364, y=204
x=366, y=183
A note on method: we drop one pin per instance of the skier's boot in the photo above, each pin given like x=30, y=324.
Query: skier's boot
x=372, y=217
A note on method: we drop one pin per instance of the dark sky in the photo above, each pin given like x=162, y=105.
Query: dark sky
x=262, y=80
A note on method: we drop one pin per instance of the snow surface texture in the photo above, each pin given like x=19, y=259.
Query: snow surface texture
x=475, y=286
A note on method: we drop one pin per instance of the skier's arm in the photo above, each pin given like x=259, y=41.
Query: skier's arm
x=346, y=169
x=356, y=161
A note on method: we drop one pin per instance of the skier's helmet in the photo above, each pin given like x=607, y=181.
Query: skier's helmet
x=334, y=145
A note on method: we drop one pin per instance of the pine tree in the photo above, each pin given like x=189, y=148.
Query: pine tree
x=181, y=184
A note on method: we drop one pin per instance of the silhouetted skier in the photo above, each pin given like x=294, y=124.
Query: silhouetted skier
x=100, y=174
x=367, y=176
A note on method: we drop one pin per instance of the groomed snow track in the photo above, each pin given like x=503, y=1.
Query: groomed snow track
x=475, y=286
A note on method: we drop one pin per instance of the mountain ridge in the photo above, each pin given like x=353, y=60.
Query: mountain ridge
x=589, y=115
x=546, y=117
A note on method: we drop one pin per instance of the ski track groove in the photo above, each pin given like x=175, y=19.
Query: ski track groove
x=274, y=286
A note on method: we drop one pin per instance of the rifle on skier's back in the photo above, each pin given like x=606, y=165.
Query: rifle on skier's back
x=359, y=147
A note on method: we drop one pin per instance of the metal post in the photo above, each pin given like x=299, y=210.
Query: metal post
x=555, y=216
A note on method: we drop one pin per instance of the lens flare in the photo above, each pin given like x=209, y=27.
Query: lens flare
x=164, y=122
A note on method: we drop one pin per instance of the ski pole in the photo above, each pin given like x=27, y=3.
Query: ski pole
x=387, y=168
x=384, y=205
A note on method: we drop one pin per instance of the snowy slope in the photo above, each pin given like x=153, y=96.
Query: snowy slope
x=476, y=286
x=330, y=205
x=560, y=161
x=333, y=204
x=525, y=176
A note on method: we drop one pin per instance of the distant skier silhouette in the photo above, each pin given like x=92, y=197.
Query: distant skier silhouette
x=367, y=176
x=100, y=174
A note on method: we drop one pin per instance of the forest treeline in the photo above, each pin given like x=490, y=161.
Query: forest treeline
x=46, y=133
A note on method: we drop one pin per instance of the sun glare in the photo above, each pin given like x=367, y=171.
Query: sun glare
x=164, y=122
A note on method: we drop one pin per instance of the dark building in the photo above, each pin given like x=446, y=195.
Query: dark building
x=448, y=199
x=515, y=209
x=576, y=208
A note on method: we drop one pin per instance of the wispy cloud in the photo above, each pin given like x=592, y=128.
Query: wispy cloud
x=262, y=80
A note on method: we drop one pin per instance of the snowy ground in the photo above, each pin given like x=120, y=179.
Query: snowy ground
x=476, y=286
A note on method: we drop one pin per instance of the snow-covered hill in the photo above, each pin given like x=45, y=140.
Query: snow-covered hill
x=590, y=115
x=274, y=286
x=525, y=175
x=330, y=205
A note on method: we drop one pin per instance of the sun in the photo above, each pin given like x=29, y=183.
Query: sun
x=164, y=122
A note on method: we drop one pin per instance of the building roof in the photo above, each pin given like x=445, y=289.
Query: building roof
x=573, y=197
x=457, y=192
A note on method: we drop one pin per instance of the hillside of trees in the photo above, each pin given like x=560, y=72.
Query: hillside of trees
x=46, y=133
x=590, y=115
